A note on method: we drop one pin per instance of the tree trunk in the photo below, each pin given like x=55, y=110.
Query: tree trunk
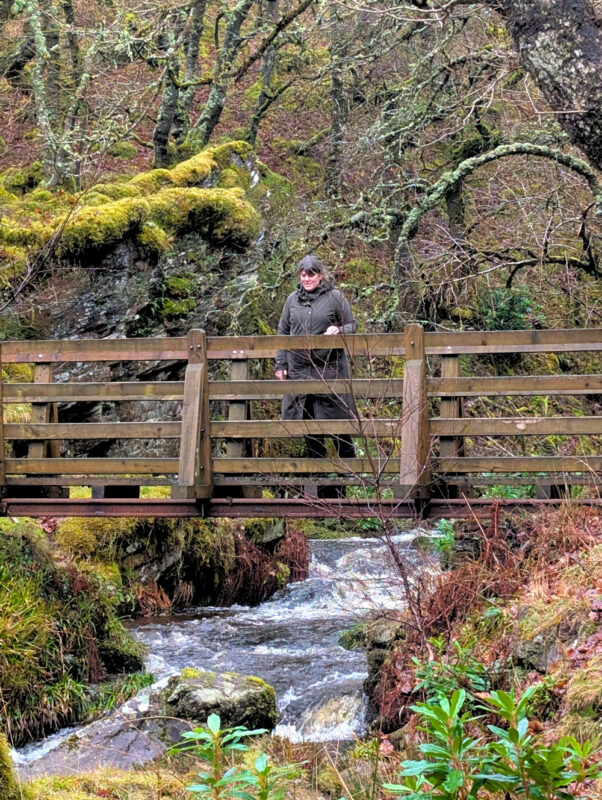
x=268, y=68
x=560, y=44
x=221, y=73
x=181, y=121
x=338, y=106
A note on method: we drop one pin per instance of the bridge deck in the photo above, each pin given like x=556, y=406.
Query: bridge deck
x=430, y=440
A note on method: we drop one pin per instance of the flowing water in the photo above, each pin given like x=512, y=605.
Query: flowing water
x=291, y=641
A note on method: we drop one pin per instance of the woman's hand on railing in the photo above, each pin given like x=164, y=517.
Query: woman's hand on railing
x=332, y=330
x=280, y=374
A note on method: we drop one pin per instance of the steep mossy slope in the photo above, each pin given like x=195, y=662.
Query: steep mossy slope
x=205, y=195
x=60, y=635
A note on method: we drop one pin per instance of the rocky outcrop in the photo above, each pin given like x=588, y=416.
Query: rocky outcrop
x=145, y=727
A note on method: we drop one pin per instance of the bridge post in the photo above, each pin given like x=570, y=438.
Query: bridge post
x=195, y=467
x=238, y=411
x=414, y=470
x=451, y=408
x=44, y=412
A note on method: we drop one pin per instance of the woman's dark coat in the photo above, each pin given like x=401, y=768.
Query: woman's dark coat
x=308, y=314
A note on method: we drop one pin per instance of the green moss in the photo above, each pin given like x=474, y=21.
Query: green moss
x=19, y=181
x=123, y=150
x=180, y=285
x=100, y=538
x=353, y=638
x=148, y=208
x=178, y=308
x=109, y=783
x=98, y=227
x=9, y=785
x=119, y=651
x=152, y=240
x=191, y=672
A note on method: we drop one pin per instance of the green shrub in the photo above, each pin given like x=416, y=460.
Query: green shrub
x=464, y=761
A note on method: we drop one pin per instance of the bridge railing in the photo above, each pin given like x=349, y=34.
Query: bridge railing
x=411, y=427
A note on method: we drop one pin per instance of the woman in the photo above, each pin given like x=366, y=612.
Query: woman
x=316, y=307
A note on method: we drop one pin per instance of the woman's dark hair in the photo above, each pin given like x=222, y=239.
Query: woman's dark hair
x=311, y=265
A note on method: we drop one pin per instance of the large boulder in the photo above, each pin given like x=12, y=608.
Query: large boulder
x=145, y=727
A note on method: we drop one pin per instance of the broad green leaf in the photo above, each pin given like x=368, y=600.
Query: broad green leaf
x=454, y=780
x=213, y=723
x=261, y=762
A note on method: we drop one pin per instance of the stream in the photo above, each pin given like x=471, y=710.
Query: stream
x=291, y=641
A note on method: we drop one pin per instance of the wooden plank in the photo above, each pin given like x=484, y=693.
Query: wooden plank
x=40, y=412
x=87, y=480
x=374, y=344
x=526, y=385
x=450, y=408
x=587, y=478
x=238, y=411
x=360, y=388
x=93, y=430
x=194, y=473
x=520, y=464
x=93, y=392
x=529, y=341
x=286, y=429
x=413, y=468
x=516, y=426
x=91, y=466
x=54, y=351
x=444, y=343
x=372, y=467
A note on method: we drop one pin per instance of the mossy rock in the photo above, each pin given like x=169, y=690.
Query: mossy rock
x=19, y=181
x=109, y=783
x=353, y=638
x=238, y=699
x=146, y=210
x=122, y=150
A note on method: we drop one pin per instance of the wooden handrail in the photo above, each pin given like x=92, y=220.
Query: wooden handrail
x=372, y=344
x=396, y=450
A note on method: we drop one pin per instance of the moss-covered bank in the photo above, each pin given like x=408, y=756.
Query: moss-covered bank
x=206, y=194
x=157, y=565
x=62, y=642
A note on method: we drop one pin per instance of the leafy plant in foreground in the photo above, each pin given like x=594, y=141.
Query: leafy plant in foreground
x=460, y=763
x=222, y=778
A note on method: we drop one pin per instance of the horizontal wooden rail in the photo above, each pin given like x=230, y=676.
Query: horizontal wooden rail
x=520, y=464
x=285, y=429
x=525, y=385
x=373, y=344
x=499, y=342
x=273, y=466
x=516, y=426
x=27, y=431
x=57, y=351
x=361, y=388
x=359, y=344
x=111, y=391
x=91, y=466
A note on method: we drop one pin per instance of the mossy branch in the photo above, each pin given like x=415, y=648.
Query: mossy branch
x=449, y=179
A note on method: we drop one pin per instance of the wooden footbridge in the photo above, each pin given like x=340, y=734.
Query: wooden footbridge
x=431, y=439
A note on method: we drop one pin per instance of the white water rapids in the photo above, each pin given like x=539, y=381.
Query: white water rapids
x=291, y=641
